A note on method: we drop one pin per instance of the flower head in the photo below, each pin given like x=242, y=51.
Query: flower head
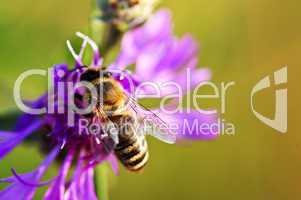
x=158, y=57
x=126, y=14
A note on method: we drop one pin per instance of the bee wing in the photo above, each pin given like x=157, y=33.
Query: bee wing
x=109, y=126
x=150, y=123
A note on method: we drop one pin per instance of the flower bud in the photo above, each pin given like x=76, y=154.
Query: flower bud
x=125, y=14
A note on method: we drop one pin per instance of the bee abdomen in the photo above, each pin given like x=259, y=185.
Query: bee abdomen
x=135, y=156
x=139, y=164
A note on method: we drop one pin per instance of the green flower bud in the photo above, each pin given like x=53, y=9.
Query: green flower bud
x=125, y=14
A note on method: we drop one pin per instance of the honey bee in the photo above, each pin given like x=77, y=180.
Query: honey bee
x=131, y=120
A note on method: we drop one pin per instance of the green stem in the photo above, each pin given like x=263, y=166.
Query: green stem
x=104, y=34
x=110, y=38
x=101, y=182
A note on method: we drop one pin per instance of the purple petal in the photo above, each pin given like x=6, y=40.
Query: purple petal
x=97, y=61
x=26, y=119
x=114, y=163
x=184, y=50
x=192, y=124
x=21, y=179
x=57, y=189
x=158, y=28
x=148, y=61
x=82, y=184
x=59, y=72
x=73, y=189
x=191, y=78
x=19, y=190
x=162, y=59
x=88, y=190
x=23, y=121
x=10, y=143
x=170, y=83
x=170, y=55
x=6, y=135
x=127, y=80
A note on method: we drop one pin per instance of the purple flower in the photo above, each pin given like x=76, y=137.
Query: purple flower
x=161, y=58
x=23, y=186
x=158, y=57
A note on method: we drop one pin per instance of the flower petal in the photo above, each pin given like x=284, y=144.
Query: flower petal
x=88, y=190
x=170, y=55
x=126, y=79
x=5, y=135
x=114, y=163
x=19, y=190
x=191, y=78
x=192, y=124
x=59, y=72
x=148, y=61
x=158, y=28
x=182, y=52
x=10, y=143
x=171, y=84
x=57, y=189
x=26, y=119
x=21, y=179
x=82, y=184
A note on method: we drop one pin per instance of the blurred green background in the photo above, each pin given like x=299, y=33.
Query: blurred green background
x=241, y=41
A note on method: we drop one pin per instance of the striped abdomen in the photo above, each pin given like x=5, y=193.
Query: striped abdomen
x=132, y=148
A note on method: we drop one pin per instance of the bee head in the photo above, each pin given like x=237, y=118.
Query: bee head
x=110, y=93
x=107, y=74
x=92, y=74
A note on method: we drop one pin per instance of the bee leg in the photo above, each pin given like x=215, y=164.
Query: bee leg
x=108, y=144
x=115, y=138
x=112, y=132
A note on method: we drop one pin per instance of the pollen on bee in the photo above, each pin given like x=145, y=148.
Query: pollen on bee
x=97, y=140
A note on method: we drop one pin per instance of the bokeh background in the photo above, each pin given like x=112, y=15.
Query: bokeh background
x=241, y=41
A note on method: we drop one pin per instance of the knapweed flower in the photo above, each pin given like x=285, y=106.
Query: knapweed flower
x=159, y=59
x=171, y=63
